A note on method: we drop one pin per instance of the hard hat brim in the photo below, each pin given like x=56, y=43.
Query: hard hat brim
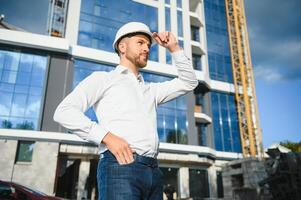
x=146, y=33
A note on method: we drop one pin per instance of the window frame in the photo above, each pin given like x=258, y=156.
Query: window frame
x=32, y=52
x=20, y=142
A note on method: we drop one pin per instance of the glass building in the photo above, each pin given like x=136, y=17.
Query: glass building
x=43, y=57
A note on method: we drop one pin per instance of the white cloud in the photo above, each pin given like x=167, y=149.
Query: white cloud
x=267, y=73
x=278, y=61
x=33, y=108
x=3, y=110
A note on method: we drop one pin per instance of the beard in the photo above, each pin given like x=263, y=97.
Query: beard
x=139, y=60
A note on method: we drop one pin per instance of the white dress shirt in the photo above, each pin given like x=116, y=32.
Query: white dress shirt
x=124, y=105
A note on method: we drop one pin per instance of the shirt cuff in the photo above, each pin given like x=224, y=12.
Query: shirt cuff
x=97, y=133
x=179, y=55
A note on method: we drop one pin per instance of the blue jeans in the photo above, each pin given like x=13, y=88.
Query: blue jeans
x=139, y=180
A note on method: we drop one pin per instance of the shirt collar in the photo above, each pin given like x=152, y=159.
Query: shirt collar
x=124, y=70
x=121, y=69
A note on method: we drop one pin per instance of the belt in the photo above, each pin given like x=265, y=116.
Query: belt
x=149, y=161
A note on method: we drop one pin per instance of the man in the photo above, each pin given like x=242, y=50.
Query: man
x=126, y=107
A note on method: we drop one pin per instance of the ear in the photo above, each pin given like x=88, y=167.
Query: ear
x=122, y=47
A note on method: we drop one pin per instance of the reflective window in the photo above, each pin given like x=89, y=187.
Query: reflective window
x=25, y=151
x=100, y=20
x=201, y=133
x=168, y=58
x=58, y=20
x=219, y=183
x=167, y=19
x=170, y=183
x=200, y=128
x=171, y=116
x=22, y=77
x=234, y=125
x=179, y=3
x=225, y=122
x=199, y=100
x=181, y=43
x=197, y=62
x=220, y=67
x=43, y=17
x=168, y=28
x=195, y=33
x=198, y=184
x=180, y=23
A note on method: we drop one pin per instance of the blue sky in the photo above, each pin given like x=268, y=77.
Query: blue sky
x=275, y=40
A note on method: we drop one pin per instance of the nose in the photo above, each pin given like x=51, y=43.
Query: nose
x=146, y=48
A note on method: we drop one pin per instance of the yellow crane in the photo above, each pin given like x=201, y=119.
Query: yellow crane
x=250, y=131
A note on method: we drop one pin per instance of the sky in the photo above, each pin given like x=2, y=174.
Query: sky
x=274, y=28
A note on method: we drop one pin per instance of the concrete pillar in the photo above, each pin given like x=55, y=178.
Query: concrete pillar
x=8, y=150
x=212, y=181
x=183, y=184
x=73, y=18
x=84, y=170
x=59, y=84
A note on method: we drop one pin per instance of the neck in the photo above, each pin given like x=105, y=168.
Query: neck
x=131, y=66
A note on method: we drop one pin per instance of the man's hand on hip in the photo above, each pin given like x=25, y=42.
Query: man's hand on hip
x=167, y=40
x=119, y=147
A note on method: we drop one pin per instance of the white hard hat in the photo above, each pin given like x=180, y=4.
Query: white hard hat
x=131, y=28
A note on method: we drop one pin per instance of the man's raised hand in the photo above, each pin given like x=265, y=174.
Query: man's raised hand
x=167, y=40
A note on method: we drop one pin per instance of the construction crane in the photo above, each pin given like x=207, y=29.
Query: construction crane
x=250, y=131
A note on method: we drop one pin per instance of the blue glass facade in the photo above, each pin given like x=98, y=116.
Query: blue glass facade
x=22, y=78
x=219, y=59
x=171, y=116
x=225, y=122
x=100, y=20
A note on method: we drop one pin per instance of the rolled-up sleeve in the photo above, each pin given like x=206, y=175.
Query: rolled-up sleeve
x=70, y=112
